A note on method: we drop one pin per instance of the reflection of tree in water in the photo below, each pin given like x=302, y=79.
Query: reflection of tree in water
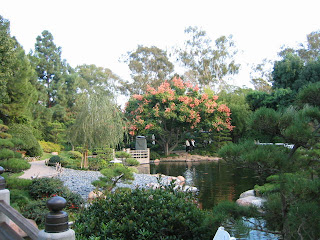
x=216, y=181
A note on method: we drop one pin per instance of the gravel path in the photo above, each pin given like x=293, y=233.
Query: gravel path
x=80, y=181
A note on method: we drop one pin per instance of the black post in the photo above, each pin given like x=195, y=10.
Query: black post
x=56, y=220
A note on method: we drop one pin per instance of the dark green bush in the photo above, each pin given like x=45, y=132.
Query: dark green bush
x=48, y=187
x=45, y=187
x=132, y=162
x=36, y=210
x=15, y=164
x=97, y=163
x=144, y=214
x=6, y=143
x=30, y=143
x=122, y=154
x=55, y=159
x=6, y=153
x=154, y=155
x=18, y=183
x=19, y=198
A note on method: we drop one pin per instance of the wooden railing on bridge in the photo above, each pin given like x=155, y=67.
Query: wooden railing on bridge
x=143, y=156
x=56, y=226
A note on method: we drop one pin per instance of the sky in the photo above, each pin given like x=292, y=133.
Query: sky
x=101, y=31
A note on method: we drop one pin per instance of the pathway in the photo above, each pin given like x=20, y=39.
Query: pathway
x=39, y=169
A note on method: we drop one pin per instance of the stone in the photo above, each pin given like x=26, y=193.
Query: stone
x=181, y=178
x=250, y=201
x=55, y=153
x=247, y=193
x=94, y=194
x=18, y=230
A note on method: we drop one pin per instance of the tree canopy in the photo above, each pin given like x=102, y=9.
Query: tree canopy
x=174, y=109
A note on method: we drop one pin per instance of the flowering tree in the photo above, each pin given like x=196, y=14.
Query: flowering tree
x=173, y=110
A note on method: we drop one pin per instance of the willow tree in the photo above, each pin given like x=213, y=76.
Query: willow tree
x=99, y=123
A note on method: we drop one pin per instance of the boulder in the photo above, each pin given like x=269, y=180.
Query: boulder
x=18, y=230
x=94, y=194
x=181, y=178
x=251, y=201
x=247, y=193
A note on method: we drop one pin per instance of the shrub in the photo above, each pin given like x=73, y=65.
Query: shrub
x=55, y=159
x=18, y=183
x=75, y=154
x=122, y=154
x=30, y=143
x=36, y=210
x=15, y=164
x=132, y=162
x=6, y=143
x=97, y=163
x=6, y=153
x=19, y=198
x=47, y=187
x=154, y=155
x=144, y=214
x=49, y=147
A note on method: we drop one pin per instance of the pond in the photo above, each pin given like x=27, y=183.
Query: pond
x=216, y=181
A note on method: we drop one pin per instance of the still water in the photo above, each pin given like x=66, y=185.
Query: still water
x=216, y=181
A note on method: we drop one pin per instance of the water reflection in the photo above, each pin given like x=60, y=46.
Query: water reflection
x=216, y=181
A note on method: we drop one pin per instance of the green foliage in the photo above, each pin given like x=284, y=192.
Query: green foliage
x=18, y=183
x=55, y=159
x=264, y=124
x=149, y=66
x=122, y=154
x=310, y=94
x=144, y=214
x=30, y=144
x=96, y=164
x=112, y=175
x=15, y=164
x=6, y=153
x=75, y=154
x=43, y=188
x=19, y=198
x=132, y=162
x=154, y=155
x=6, y=143
x=36, y=210
x=49, y=147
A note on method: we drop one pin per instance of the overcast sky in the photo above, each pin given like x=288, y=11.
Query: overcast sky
x=99, y=32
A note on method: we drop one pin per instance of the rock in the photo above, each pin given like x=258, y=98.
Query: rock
x=18, y=230
x=251, y=201
x=94, y=194
x=247, y=193
x=181, y=178
x=55, y=153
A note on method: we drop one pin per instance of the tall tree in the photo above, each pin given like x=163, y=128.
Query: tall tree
x=173, y=110
x=261, y=76
x=98, y=124
x=148, y=66
x=93, y=79
x=16, y=75
x=209, y=64
x=49, y=66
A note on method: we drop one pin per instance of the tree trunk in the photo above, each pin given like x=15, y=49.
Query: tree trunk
x=86, y=163
x=166, y=148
